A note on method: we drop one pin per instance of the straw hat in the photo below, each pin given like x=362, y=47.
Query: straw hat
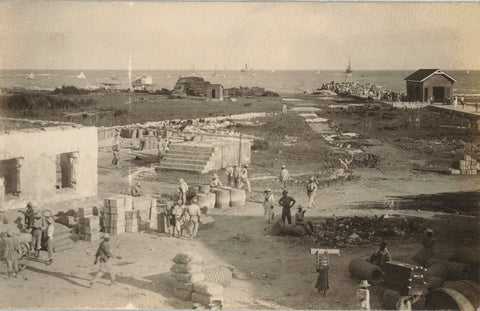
x=215, y=175
x=9, y=233
x=300, y=207
x=312, y=178
x=246, y=165
x=285, y=192
x=283, y=166
x=429, y=230
x=268, y=190
x=364, y=283
x=29, y=204
x=50, y=220
x=180, y=180
x=106, y=236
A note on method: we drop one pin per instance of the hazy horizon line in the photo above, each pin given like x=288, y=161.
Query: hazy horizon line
x=235, y=69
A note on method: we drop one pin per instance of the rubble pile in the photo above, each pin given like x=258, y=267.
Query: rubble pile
x=349, y=231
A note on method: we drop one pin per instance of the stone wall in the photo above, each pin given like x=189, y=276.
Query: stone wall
x=49, y=164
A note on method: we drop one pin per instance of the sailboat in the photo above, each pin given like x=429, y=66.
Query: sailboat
x=245, y=69
x=31, y=76
x=349, y=68
x=81, y=75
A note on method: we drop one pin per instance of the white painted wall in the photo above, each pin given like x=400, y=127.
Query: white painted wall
x=39, y=148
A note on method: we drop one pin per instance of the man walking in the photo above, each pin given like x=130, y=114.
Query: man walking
x=194, y=214
x=50, y=245
x=244, y=177
x=102, y=256
x=11, y=253
x=284, y=177
x=287, y=203
x=182, y=191
x=116, y=156
x=177, y=212
x=311, y=191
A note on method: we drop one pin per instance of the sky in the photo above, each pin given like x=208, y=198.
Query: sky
x=280, y=36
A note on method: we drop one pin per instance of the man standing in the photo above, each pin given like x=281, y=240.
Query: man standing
x=236, y=177
x=11, y=253
x=137, y=190
x=29, y=215
x=50, y=246
x=284, y=176
x=182, y=191
x=244, y=177
x=215, y=182
x=229, y=173
x=116, y=156
x=194, y=213
x=311, y=191
x=177, y=212
x=102, y=256
x=381, y=256
x=287, y=203
x=37, y=227
x=268, y=205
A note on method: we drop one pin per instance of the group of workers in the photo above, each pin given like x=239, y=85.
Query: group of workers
x=181, y=216
x=238, y=177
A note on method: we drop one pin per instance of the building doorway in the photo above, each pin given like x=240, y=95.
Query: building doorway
x=425, y=97
x=438, y=94
x=65, y=170
x=213, y=93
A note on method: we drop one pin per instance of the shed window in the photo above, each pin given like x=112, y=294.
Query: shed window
x=8, y=172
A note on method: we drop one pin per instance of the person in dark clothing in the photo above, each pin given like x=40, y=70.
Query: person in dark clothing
x=287, y=203
x=322, y=279
x=37, y=232
x=11, y=253
x=381, y=256
x=102, y=256
x=29, y=215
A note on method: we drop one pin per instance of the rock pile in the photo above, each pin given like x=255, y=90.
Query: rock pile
x=348, y=231
x=467, y=166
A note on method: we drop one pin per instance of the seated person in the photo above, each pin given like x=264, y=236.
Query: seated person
x=136, y=190
x=300, y=221
x=381, y=256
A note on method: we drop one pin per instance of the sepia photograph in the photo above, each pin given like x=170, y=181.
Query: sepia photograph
x=240, y=155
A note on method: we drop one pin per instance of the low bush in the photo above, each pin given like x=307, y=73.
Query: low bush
x=260, y=144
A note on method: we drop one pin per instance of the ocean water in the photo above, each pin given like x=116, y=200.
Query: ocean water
x=283, y=81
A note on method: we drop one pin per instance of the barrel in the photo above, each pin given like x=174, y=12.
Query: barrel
x=204, y=188
x=390, y=299
x=438, y=270
x=202, y=200
x=222, y=199
x=465, y=255
x=364, y=270
x=211, y=199
x=454, y=295
x=237, y=197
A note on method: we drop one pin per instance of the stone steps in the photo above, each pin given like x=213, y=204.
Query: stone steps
x=187, y=157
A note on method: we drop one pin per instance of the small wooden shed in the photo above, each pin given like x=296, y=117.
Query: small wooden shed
x=426, y=84
x=215, y=91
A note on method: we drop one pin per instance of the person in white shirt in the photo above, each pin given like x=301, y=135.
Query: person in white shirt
x=182, y=191
x=50, y=246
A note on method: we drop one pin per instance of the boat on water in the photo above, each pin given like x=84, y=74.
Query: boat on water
x=349, y=68
x=81, y=75
x=31, y=76
x=246, y=69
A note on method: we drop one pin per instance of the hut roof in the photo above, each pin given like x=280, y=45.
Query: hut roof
x=423, y=74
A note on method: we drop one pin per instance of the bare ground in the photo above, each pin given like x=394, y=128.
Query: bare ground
x=269, y=272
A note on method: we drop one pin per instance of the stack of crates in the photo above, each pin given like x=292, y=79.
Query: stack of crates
x=114, y=215
x=468, y=166
x=89, y=225
x=132, y=221
x=147, y=209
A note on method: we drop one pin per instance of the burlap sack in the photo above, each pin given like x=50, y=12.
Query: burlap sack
x=184, y=285
x=188, y=257
x=182, y=294
x=186, y=268
x=208, y=289
x=204, y=300
x=189, y=278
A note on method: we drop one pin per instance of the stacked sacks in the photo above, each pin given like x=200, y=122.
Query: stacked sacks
x=187, y=270
x=206, y=293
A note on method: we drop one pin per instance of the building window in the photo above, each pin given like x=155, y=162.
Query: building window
x=65, y=169
x=10, y=175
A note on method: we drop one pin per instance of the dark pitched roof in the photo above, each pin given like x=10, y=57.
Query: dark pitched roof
x=423, y=74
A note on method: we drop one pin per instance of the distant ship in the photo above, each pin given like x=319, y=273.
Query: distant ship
x=81, y=75
x=349, y=68
x=245, y=69
x=31, y=76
